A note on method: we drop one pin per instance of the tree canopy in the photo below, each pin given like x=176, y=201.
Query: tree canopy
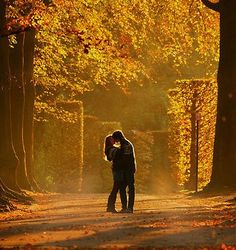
x=83, y=43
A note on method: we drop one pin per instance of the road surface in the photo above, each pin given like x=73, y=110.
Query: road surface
x=159, y=221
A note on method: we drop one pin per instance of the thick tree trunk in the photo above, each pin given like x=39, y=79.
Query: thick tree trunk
x=8, y=158
x=29, y=106
x=224, y=161
x=18, y=106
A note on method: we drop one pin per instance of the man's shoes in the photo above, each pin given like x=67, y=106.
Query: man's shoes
x=111, y=210
x=123, y=210
x=129, y=210
x=126, y=211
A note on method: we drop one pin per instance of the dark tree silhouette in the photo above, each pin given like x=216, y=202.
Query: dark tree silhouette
x=18, y=106
x=224, y=161
x=8, y=157
x=16, y=112
x=29, y=105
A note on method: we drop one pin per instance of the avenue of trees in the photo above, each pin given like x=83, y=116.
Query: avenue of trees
x=56, y=51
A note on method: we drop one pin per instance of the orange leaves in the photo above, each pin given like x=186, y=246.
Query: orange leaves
x=125, y=40
x=21, y=23
x=191, y=97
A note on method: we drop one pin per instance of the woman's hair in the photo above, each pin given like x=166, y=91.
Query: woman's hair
x=108, y=143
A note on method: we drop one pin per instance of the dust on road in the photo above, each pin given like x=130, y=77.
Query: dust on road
x=80, y=221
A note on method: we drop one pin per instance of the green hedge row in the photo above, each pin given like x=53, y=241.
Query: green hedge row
x=59, y=149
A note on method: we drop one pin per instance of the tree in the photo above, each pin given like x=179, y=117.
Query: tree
x=19, y=30
x=85, y=43
x=224, y=159
x=108, y=42
x=8, y=157
x=92, y=43
x=17, y=100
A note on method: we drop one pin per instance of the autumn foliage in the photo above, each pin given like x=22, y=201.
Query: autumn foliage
x=58, y=50
x=192, y=101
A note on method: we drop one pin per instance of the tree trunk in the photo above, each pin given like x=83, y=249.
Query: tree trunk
x=8, y=158
x=29, y=106
x=224, y=160
x=18, y=106
x=191, y=183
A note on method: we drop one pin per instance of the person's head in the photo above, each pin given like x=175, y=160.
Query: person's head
x=109, y=141
x=118, y=135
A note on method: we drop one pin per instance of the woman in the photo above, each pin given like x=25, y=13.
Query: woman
x=112, y=154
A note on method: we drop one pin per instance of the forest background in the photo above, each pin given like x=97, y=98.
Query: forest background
x=87, y=68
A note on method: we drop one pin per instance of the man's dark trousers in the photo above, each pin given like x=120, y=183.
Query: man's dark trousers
x=128, y=182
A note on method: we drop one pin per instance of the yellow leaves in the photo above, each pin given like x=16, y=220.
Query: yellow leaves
x=12, y=40
x=79, y=44
x=46, y=111
x=95, y=55
x=188, y=98
x=87, y=42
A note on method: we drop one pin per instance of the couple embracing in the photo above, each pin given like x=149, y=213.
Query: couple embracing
x=120, y=152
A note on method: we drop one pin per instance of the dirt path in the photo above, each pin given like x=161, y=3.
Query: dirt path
x=79, y=221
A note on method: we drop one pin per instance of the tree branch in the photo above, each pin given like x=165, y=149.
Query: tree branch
x=212, y=6
x=6, y=33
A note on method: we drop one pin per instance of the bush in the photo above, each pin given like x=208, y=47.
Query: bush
x=59, y=148
x=189, y=101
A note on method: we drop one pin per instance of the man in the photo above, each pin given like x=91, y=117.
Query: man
x=128, y=165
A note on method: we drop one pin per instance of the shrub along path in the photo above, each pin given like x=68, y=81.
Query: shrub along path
x=80, y=221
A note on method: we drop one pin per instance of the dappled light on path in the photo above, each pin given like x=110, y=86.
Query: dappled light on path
x=80, y=220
